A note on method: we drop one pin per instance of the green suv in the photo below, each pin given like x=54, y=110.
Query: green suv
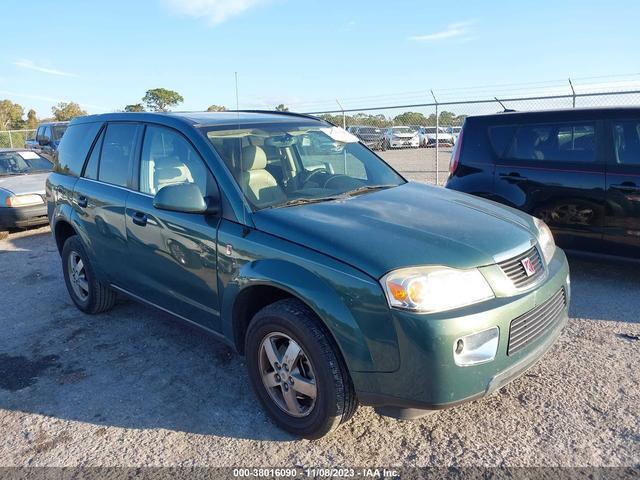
x=281, y=234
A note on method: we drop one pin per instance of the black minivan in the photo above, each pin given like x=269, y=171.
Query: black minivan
x=578, y=170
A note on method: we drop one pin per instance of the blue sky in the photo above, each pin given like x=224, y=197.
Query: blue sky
x=105, y=55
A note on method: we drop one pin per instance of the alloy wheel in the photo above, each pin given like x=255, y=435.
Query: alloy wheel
x=287, y=374
x=78, y=276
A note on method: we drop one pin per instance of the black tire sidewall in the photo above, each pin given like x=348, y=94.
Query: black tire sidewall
x=328, y=408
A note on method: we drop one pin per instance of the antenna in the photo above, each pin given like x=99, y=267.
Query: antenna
x=501, y=104
x=237, y=103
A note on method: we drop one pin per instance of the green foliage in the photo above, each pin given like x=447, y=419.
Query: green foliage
x=32, y=120
x=161, y=99
x=134, y=107
x=282, y=108
x=410, y=118
x=216, y=108
x=10, y=115
x=66, y=111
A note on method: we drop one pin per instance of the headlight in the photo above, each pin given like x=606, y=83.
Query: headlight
x=23, y=200
x=435, y=289
x=545, y=240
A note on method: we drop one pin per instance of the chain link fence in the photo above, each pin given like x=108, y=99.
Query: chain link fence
x=417, y=139
x=15, y=138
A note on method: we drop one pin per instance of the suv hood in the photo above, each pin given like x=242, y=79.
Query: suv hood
x=24, y=184
x=412, y=224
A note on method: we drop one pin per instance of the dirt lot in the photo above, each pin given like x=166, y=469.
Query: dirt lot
x=135, y=388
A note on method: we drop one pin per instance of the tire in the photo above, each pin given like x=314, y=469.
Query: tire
x=4, y=235
x=335, y=401
x=97, y=297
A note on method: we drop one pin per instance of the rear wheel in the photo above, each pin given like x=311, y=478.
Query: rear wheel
x=89, y=294
x=296, y=371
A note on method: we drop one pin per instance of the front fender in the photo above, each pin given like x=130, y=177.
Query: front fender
x=351, y=305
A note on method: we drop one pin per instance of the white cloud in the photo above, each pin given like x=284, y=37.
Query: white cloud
x=215, y=11
x=30, y=65
x=453, y=30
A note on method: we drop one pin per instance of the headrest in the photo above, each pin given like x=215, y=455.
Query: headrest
x=253, y=158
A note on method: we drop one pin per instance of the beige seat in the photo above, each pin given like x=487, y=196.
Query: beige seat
x=257, y=183
x=169, y=170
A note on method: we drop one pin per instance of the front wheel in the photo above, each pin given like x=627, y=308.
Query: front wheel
x=296, y=371
x=87, y=292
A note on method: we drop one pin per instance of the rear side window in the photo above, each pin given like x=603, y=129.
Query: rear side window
x=501, y=138
x=74, y=148
x=626, y=137
x=560, y=143
x=91, y=170
x=118, y=148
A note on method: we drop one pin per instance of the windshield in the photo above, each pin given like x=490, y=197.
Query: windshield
x=278, y=165
x=18, y=163
x=402, y=130
x=369, y=130
x=58, y=131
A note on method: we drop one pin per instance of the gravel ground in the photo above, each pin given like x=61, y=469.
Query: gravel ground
x=135, y=388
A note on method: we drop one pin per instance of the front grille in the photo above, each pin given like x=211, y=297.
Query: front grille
x=514, y=269
x=532, y=325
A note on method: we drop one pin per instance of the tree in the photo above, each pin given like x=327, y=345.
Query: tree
x=66, y=111
x=410, y=118
x=134, y=107
x=282, y=108
x=32, y=120
x=10, y=115
x=160, y=99
x=216, y=108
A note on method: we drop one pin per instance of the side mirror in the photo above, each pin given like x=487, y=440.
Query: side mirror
x=186, y=198
x=44, y=141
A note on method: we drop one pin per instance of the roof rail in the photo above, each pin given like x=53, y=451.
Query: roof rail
x=276, y=112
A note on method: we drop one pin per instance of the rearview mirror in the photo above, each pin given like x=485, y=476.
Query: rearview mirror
x=186, y=198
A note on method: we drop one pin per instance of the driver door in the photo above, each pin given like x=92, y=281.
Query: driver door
x=173, y=254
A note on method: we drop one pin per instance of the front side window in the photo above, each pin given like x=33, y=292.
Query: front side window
x=168, y=158
x=47, y=133
x=118, y=150
x=279, y=164
x=562, y=143
x=626, y=137
x=57, y=131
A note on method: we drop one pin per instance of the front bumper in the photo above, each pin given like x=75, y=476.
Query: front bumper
x=428, y=377
x=400, y=143
x=22, y=217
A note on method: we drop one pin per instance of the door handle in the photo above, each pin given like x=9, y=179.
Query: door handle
x=627, y=187
x=513, y=176
x=139, y=218
x=83, y=201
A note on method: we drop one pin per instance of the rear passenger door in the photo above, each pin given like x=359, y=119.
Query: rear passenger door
x=622, y=234
x=173, y=255
x=555, y=172
x=100, y=195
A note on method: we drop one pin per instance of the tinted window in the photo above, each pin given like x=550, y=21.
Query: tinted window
x=168, y=158
x=58, y=131
x=118, y=149
x=564, y=143
x=501, y=138
x=74, y=148
x=91, y=170
x=626, y=137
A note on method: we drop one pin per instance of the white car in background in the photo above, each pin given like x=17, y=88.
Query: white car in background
x=428, y=136
x=401, y=137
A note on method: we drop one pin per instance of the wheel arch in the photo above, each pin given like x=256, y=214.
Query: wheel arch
x=267, y=281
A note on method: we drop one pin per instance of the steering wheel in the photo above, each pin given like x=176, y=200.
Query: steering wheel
x=314, y=172
x=334, y=177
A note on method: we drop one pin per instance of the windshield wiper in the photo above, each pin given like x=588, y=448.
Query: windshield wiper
x=366, y=188
x=303, y=201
